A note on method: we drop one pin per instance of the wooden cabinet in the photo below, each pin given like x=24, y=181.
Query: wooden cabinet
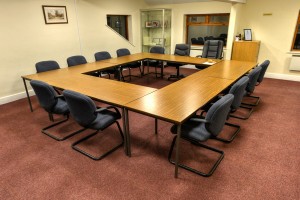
x=245, y=50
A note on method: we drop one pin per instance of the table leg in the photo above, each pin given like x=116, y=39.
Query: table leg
x=156, y=126
x=177, y=149
x=28, y=98
x=126, y=130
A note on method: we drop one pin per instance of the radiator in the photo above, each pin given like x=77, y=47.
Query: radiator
x=295, y=63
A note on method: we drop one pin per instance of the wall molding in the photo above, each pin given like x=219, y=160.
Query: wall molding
x=283, y=76
x=14, y=97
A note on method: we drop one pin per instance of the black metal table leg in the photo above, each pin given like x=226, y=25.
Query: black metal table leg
x=177, y=149
x=28, y=98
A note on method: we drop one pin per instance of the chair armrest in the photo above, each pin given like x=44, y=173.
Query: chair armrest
x=108, y=107
x=100, y=110
x=199, y=120
x=59, y=97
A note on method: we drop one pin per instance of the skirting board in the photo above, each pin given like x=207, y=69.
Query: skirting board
x=283, y=76
x=14, y=97
x=21, y=95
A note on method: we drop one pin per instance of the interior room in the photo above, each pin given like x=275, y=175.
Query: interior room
x=262, y=163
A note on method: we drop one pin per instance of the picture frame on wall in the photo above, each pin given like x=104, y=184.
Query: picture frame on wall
x=155, y=23
x=248, y=34
x=148, y=24
x=55, y=14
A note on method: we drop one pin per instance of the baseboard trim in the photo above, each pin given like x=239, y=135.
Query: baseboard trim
x=287, y=77
x=14, y=97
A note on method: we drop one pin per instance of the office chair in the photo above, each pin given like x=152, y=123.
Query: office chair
x=125, y=52
x=155, y=63
x=87, y=115
x=239, y=90
x=103, y=55
x=211, y=49
x=53, y=104
x=264, y=66
x=197, y=130
x=253, y=77
x=44, y=66
x=180, y=50
x=76, y=60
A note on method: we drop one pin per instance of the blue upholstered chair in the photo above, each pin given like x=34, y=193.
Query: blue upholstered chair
x=103, y=55
x=253, y=77
x=53, y=104
x=239, y=91
x=264, y=66
x=87, y=115
x=125, y=52
x=76, y=60
x=155, y=63
x=48, y=65
x=180, y=50
x=197, y=130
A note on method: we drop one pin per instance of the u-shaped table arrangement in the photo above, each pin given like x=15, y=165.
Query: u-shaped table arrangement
x=174, y=103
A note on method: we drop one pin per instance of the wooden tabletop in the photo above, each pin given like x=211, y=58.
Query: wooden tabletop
x=174, y=102
x=229, y=69
x=177, y=101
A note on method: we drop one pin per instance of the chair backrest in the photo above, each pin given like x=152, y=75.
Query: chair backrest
x=238, y=90
x=212, y=49
x=45, y=94
x=102, y=55
x=253, y=76
x=44, y=66
x=182, y=50
x=76, y=60
x=82, y=108
x=157, y=49
x=123, y=52
x=264, y=67
x=217, y=114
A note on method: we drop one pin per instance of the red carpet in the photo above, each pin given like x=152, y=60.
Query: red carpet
x=261, y=163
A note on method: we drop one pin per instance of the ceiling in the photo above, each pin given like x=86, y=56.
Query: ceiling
x=172, y=1
x=188, y=1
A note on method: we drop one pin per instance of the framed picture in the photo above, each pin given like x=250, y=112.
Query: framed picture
x=148, y=24
x=248, y=34
x=155, y=23
x=55, y=14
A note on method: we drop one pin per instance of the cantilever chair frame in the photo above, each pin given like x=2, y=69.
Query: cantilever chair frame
x=46, y=130
x=219, y=109
x=87, y=121
x=159, y=50
x=127, y=65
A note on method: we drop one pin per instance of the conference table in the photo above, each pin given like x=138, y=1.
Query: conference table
x=174, y=103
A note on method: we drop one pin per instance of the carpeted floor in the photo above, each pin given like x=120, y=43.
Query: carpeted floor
x=261, y=163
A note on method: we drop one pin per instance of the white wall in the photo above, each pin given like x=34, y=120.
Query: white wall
x=275, y=32
x=25, y=38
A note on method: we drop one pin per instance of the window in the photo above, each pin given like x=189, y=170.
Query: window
x=206, y=27
x=119, y=23
x=296, y=40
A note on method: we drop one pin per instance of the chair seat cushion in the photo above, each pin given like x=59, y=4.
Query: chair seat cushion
x=193, y=131
x=61, y=107
x=104, y=119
